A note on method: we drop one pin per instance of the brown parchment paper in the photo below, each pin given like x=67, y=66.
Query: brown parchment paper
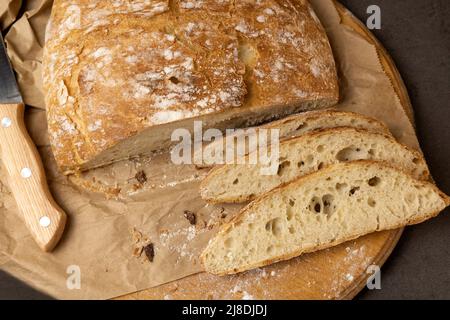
x=111, y=215
x=8, y=12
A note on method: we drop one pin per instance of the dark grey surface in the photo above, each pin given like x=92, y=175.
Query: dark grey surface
x=417, y=34
x=9, y=91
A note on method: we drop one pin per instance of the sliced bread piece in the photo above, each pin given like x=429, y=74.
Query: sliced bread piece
x=340, y=203
x=292, y=126
x=302, y=155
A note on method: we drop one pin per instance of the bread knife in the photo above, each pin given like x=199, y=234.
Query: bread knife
x=26, y=176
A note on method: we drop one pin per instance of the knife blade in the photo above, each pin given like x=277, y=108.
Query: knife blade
x=26, y=176
x=9, y=91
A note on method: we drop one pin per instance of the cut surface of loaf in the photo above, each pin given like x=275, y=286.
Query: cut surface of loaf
x=289, y=127
x=323, y=209
x=120, y=76
x=302, y=155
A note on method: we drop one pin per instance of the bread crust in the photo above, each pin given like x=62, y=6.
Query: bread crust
x=220, y=170
x=362, y=163
x=305, y=117
x=311, y=115
x=113, y=71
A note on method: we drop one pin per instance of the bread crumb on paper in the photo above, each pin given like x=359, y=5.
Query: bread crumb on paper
x=190, y=216
x=141, y=177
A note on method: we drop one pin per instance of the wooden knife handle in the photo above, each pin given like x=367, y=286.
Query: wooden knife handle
x=26, y=176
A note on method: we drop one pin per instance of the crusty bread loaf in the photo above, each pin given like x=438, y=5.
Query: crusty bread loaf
x=120, y=76
x=305, y=154
x=323, y=209
x=292, y=126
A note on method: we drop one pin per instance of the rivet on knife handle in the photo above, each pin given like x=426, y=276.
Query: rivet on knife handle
x=43, y=217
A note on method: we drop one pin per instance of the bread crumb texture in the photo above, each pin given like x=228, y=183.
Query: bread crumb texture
x=308, y=153
x=114, y=68
x=326, y=208
x=290, y=127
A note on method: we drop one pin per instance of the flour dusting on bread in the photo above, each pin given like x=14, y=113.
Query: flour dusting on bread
x=136, y=65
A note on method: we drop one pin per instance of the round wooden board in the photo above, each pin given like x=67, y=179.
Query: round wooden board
x=336, y=273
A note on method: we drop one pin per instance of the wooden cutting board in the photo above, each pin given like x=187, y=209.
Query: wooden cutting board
x=336, y=273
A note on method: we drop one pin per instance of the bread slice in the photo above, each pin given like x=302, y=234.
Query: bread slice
x=340, y=203
x=302, y=155
x=292, y=126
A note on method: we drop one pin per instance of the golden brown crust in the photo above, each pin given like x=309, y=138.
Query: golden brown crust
x=220, y=170
x=312, y=115
x=112, y=70
x=324, y=172
x=290, y=126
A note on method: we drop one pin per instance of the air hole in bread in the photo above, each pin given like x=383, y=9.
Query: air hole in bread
x=291, y=202
x=236, y=181
x=269, y=249
x=320, y=148
x=289, y=214
x=320, y=166
x=349, y=154
x=371, y=152
x=315, y=205
x=269, y=226
x=371, y=202
x=300, y=164
x=328, y=204
x=301, y=126
x=341, y=186
x=282, y=167
x=373, y=182
x=309, y=159
x=353, y=191
x=416, y=161
x=275, y=226
x=291, y=230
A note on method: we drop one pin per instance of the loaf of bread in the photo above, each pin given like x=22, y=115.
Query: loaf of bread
x=305, y=154
x=289, y=127
x=324, y=209
x=120, y=76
